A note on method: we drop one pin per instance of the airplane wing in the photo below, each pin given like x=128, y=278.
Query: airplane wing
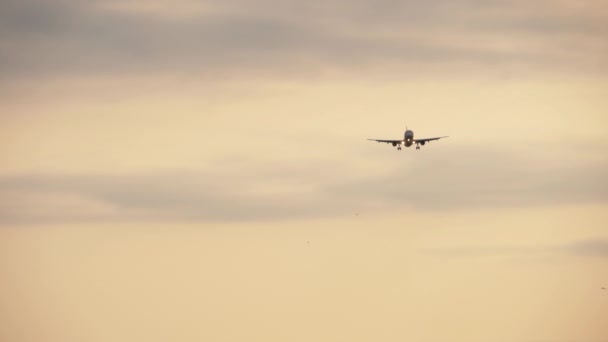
x=422, y=141
x=394, y=142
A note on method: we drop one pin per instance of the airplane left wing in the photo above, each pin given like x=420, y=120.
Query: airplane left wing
x=394, y=142
x=387, y=141
x=422, y=141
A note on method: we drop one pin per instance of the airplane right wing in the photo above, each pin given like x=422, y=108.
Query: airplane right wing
x=422, y=141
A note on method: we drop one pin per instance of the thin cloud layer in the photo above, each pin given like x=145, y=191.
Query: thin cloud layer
x=95, y=37
x=478, y=177
x=475, y=180
x=583, y=248
x=596, y=247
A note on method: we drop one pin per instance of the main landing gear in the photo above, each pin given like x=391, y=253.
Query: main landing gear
x=399, y=148
x=417, y=147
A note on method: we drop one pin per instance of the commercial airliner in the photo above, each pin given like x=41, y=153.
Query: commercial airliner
x=408, y=140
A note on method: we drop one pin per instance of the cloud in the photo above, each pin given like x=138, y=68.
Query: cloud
x=436, y=182
x=211, y=196
x=596, y=247
x=583, y=248
x=241, y=37
x=484, y=177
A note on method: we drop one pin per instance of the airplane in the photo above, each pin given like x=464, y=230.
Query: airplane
x=408, y=140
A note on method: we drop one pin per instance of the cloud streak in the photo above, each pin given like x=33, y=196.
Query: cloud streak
x=67, y=37
x=583, y=248
x=596, y=247
x=485, y=177
x=475, y=179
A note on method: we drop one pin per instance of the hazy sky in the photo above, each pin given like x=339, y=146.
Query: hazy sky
x=199, y=171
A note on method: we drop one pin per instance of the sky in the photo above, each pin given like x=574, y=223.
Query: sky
x=200, y=170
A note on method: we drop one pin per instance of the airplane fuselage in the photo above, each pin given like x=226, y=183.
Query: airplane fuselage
x=408, y=138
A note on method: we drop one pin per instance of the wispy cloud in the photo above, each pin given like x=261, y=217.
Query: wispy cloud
x=93, y=37
x=584, y=248
x=597, y=247
x=484, y=177
x=470, y=180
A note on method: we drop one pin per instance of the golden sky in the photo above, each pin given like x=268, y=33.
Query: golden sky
x=199, y=170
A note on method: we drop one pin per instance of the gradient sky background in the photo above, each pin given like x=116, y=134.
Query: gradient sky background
x=199, y=171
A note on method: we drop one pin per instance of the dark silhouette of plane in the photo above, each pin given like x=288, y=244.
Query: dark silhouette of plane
x=408, y=140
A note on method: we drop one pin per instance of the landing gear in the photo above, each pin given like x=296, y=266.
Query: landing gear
x=417, y=147
x=399, y=148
